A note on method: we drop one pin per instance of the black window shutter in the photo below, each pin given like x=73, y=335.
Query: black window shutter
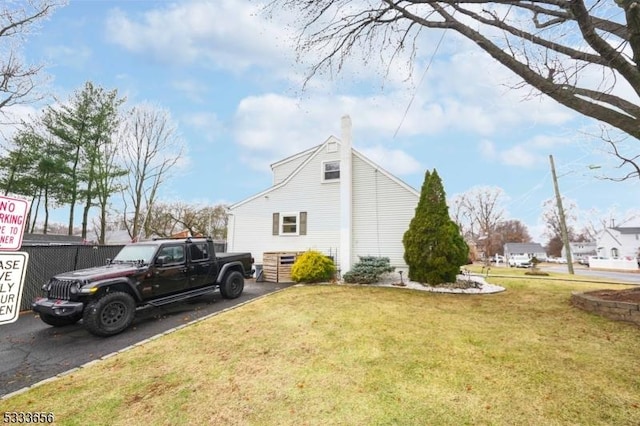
x=276, y=224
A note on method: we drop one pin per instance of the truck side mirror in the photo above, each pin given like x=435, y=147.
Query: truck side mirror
x=162, y=260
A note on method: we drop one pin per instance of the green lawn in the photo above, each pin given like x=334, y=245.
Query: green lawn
x=367, y=355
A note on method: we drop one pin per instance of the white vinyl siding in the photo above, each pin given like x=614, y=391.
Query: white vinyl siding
x=382, y=210
x=251, y=223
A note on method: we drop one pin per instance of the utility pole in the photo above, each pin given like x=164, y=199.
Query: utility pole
x=563, y=223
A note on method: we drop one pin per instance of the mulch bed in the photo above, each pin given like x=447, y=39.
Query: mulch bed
x=631, y=295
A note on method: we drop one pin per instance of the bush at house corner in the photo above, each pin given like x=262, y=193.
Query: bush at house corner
x=434, y=250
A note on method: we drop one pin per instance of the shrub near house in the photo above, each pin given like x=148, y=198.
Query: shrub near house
x=368, y=270
x=311, y=267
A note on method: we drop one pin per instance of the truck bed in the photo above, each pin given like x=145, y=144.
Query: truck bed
x=245, y=258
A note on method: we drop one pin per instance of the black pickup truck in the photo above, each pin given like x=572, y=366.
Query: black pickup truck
x=142, y=275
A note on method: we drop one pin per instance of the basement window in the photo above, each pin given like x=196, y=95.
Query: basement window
x=331, y=171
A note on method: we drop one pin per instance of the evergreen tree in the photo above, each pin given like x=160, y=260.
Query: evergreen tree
x=433, y=246
x=85, y=127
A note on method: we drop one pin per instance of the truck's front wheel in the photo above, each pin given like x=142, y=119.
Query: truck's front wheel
x=110, y=314
x=60, y=321
x=232, y=286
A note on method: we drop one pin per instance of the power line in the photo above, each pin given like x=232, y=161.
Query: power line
x=424, y=74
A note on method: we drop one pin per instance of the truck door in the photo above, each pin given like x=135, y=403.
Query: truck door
x=202, y=267
x=171, y=275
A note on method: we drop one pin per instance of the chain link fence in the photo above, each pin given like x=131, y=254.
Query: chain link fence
x=47, y=261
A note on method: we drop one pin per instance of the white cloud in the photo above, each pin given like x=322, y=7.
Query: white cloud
x=519, y=156
x=273, y=126
x=395, y=161
x=192, y=89
x=208, y=124
x=224, y=34
x=75, y=57
x=487, y=149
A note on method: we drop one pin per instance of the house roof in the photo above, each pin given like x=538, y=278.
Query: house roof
x=313, y=153
x=50, y=239
x=524, y=248
x=627, y=230
x=300, y=154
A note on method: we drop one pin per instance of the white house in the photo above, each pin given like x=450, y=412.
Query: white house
x=329, y=198
x=579, y=250
x=619, y=242
x=529, y=249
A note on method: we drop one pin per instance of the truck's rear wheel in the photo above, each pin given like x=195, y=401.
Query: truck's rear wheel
x=57, y=321
x=232, y=286
x=110, y=314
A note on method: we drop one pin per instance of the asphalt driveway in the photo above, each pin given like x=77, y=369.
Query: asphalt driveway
x=31, y=351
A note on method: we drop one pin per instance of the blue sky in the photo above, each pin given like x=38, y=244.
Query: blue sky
x=230, y=79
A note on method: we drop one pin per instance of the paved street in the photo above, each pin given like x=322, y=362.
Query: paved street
x=31, y=351
x=582, y=271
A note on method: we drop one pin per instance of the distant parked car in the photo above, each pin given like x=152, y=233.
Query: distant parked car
x=498, y=258
x=519, y=261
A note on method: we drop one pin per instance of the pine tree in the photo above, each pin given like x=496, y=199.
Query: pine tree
x=433, y=246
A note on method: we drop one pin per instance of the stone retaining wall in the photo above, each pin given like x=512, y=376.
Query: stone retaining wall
x=618, y=311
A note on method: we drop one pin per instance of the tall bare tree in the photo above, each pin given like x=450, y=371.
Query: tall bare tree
x=151, y=148
x=508, y=231
x=481, y=209
x=583, y=54
x=551, y=218
x=166, y=219
x=19, y=80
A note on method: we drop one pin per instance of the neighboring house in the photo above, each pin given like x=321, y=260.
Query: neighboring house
x=329, y=198
x=581, y=250
x=618, y=242
x=528, y=249
x=118, y=237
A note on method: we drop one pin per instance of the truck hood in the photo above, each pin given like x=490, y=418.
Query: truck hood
x=100, y=272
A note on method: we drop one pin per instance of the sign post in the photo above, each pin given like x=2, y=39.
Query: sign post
x=13, y=266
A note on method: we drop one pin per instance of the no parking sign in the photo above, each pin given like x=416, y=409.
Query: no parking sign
x=13, y=213
x=13, y=266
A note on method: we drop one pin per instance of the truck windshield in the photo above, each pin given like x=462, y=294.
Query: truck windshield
x=135, y=253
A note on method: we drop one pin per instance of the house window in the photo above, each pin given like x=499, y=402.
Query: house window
x=294, y=223
x=289, y=224
x=331, y=170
